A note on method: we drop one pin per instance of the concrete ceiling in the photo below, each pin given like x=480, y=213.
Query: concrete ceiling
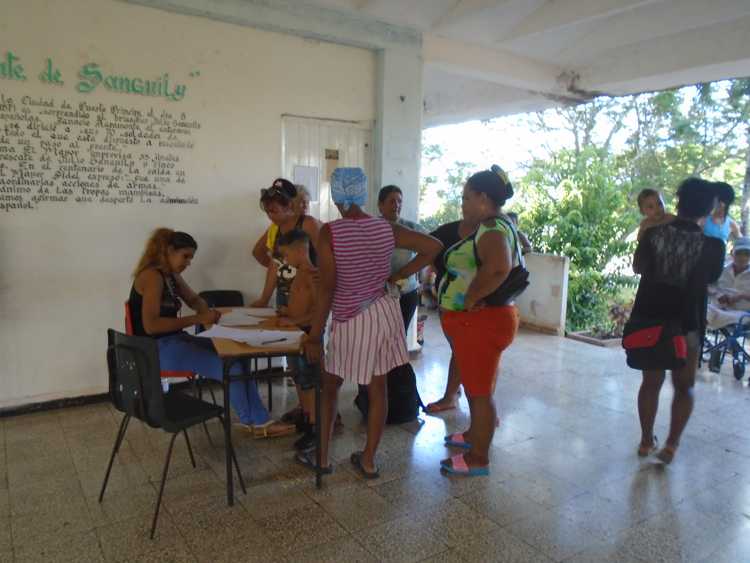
x=486, y=58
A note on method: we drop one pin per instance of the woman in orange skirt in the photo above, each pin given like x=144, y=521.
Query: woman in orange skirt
x=479, y=323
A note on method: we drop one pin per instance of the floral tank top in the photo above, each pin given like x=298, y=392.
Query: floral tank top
x=461, y=265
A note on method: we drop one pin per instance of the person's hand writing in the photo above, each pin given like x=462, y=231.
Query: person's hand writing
x=209, y=317
x=259, y=303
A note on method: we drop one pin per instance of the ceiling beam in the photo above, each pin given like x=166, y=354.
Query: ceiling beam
x=465, y=9
x=710, y=53
x=498, y=67
x=559, y=14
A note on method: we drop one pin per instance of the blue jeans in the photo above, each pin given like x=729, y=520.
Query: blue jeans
x=184, y=352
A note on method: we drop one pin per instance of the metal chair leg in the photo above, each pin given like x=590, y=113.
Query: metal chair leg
x=239, y=474
x=190, y=449
x=118, y=442
x=161, y=487
x=270, y=385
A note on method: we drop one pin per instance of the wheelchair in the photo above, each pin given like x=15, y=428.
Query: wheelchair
x=728, y=340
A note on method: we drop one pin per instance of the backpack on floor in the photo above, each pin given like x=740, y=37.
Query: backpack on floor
x=404, y=401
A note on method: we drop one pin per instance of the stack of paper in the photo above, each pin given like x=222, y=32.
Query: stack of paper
x=256, y=337
x=245, y=316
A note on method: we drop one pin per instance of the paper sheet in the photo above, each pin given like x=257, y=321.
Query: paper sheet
x=245, y=316
x=256, y=337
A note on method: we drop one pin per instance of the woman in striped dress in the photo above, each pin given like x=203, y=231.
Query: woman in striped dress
x=367, y=338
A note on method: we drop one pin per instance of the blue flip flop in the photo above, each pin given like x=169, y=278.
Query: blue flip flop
x=458, y=467
x=456, y=440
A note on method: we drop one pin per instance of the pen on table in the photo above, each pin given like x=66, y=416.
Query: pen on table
x=273, y=341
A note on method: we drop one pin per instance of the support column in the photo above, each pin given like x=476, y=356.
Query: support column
x=398, y=128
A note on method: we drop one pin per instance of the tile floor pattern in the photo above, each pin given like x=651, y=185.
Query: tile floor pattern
x=565, y=484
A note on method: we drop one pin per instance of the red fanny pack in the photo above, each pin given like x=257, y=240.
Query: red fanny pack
x=654, y=345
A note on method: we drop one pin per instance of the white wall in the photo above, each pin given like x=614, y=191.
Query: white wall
x=65, y=268
x=544, y=303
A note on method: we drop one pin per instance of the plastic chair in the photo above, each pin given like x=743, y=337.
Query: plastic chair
x=223, y=298
x=135, y=390
x=192, y=377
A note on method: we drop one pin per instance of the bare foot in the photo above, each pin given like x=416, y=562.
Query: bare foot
x=443, y=404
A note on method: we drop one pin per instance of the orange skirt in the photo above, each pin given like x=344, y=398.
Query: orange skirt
x=478, y=339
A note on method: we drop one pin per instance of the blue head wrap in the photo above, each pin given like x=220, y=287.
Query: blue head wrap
x=349, y=187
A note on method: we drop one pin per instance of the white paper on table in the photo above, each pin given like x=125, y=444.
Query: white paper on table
x=256, y=336
x=245, y=317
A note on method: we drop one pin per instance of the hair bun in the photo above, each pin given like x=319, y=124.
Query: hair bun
x=506, y=181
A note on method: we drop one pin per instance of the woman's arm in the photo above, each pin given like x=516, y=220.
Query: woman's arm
x=260, y=250
x=495, y=256
x=268, y=287
x=312, y=227
x=326, y=285
x=734, y=230
x=151, y=286
x=425, y=246
x=191, y=299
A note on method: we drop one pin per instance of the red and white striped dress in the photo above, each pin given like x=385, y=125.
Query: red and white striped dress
x=367, y=333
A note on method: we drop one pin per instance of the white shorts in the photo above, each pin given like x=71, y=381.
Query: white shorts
x=372, y=343
x=716, y=317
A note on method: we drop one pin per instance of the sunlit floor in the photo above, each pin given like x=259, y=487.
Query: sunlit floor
x=565, y=485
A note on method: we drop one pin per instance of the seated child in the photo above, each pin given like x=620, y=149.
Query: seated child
x=730, y=297
x=294, y=247
x=651, y=206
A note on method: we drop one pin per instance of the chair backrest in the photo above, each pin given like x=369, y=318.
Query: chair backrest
x=134, y=382
x=223, y=298
x=128, y=319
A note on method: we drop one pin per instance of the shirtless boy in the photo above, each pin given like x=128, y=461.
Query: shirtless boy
x=294, y=247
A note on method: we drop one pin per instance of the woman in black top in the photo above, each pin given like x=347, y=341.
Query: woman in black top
x=155, y=301
x=676, y=262
x=449, y=234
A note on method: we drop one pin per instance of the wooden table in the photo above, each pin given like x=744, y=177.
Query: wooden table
x=232, y=352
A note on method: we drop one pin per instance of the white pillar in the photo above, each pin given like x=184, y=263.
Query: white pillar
x=398, y=131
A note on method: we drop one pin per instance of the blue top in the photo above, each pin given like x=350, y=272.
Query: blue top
x=714, y=230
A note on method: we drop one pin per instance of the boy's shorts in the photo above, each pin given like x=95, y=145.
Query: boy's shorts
x=304, y=373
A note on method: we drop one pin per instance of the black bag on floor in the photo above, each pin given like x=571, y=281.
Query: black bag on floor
x=404, y=401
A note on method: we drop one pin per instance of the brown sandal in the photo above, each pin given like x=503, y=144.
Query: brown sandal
x=273, y=429
x=666, y=454
x=645, y=451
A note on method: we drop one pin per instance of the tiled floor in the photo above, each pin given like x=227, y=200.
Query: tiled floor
x=566, y=484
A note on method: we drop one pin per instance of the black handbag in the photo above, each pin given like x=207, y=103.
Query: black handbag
x=517, y=280
x=654, y=344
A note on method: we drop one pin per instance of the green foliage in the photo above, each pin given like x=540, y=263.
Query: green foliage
x=579, y=200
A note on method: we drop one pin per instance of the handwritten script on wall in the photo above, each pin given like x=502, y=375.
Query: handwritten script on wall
x=56, y=151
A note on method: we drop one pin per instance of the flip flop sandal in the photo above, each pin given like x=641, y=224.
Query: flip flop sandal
x=273, y=429
x=666, y=454
x=458, y=466
x=645, y=451
x=456, y=440
x=356, y=459
x=433, y=408
x=308, y=460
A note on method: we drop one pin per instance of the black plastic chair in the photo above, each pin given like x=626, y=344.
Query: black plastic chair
x=135, y=390
x=223, y=298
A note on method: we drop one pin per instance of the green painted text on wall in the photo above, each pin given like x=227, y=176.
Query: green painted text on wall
x=91, y=76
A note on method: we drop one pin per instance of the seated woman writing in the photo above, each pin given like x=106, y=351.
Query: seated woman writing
x=155, y=302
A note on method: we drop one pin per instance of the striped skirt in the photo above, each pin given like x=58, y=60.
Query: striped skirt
x=371, y=343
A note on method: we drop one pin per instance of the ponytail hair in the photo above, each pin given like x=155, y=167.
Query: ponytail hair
x=155, y=253
x=494, y=183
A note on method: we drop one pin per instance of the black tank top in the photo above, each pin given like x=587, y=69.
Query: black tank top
x=170, y=306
